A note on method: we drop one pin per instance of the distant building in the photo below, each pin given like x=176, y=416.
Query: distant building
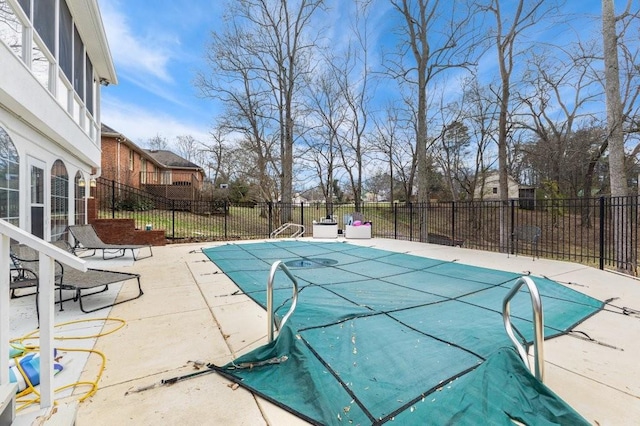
x=54, y=57
x=298, y=198
x=122, y=160
x=175, y=170
x=490, y=190
x=160, y=172
x=371, y=197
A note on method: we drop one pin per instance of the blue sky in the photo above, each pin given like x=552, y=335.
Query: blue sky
x=158, y=47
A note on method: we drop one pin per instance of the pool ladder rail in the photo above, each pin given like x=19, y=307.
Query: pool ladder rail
x=538, y=325
x=299, y=231
x=294, y=301
x=536, y=301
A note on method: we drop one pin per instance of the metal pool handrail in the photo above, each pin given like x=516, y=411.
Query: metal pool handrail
x=538, y=325
x=298, y=233
x=294, y=302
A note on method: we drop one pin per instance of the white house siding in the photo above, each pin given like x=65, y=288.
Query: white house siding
x=44, y=117
x=491, y=189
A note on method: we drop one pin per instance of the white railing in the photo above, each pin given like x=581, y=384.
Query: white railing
x=48, y=253
x=299, y=230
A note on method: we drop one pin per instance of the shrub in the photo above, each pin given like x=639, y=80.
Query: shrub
x=134, y=203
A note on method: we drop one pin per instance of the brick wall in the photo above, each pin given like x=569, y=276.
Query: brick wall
x=92, y=209
x=115, y=162
x=123, y=231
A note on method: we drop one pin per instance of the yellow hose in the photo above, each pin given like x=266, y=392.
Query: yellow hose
x=21, y=398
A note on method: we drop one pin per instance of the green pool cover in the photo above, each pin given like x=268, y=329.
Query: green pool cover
x=380, y=336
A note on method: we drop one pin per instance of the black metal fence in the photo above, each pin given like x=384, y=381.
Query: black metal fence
x=597, y=231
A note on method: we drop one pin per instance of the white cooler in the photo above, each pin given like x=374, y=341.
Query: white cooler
x=325, y=230
x=362, y=231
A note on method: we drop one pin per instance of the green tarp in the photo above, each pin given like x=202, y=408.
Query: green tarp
x=380, y=336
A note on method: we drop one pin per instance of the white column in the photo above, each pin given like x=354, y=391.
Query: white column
x=47, y=305
x=4, y=310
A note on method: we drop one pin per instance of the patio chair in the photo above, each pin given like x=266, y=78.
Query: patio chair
x=527, y=234
x=20, y=279
x=82, y=284
x=86, y=238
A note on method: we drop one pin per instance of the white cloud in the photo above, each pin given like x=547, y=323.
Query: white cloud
x=133, y=54
x=139, y=124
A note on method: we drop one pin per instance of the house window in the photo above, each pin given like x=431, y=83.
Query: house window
x=65, y=41
x=59, y=200
x=89, y=86
x=44, y=20
x=9, y=180
x=131, y=153
x=495, y=190
x=26, y=6
x=78, y=64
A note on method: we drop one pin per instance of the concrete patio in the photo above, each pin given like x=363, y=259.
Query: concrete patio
x=189, y=316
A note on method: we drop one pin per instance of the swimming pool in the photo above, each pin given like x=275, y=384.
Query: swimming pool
x=380, y=336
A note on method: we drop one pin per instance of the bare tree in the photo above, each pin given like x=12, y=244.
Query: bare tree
x=480, y=114
x=282, y=49
x=617, y=180
x=526, y=14
x=216, y=156
x=437, y=36
x=326, y=115
x=386, y=140
x=560, y=92
x=250, y=117
x=188, y=147
x=451, y=146
x=158, y=142
x=258, y=63
x=625, y=256
x=354, y=82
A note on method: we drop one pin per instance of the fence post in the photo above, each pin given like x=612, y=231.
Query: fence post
x=173, y=219
x=395, y=220
x=301, y=214
x=410, y=221
x=226, y=214
x=113, y=199
x=512, y=228
x=453, y=223
x=601, y=233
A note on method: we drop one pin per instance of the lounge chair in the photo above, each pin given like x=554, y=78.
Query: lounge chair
x=86, y=238
x=83, y=284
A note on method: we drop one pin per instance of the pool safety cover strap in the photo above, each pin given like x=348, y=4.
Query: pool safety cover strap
x=380, y=336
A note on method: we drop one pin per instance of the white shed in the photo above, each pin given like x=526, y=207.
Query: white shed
x=490, y=190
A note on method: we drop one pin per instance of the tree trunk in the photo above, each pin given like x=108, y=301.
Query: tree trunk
x=421, y=155
x=618, y=181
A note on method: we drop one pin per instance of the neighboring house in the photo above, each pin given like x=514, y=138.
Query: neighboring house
x=54, y=57
x=175, y=170
x=122, y=160
x=176, y=179
x=490, y=190
x=157, y=171
x=372, y=197
x=298, y=199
